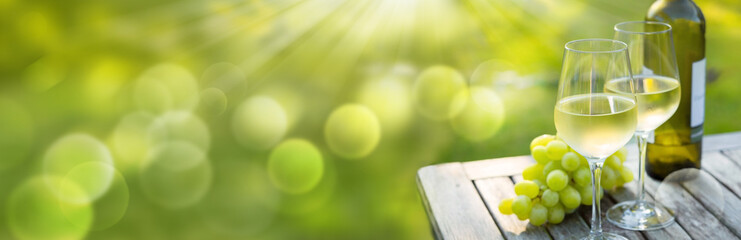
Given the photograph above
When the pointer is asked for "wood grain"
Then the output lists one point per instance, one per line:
(690, 213)
(453, 204)
(724, 170)
(734, 155)
(726, 206)
(572, 227)
(493, 191)
(499, 167)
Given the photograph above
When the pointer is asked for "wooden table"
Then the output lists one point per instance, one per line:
(461, 199)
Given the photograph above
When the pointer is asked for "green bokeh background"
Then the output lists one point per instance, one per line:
(74, 66)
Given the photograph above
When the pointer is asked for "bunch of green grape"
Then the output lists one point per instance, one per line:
(560, 182)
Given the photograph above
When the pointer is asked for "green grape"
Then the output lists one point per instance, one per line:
(540, 155)
(582, 177)
(621, 154)
(541, 184)
(556, 149)
(569, 197)
(557, 180)
(626, 174)
(609, 178)
(521, 206)
(549, 198)
(538, 215)
(523, 216)
(552, 165)
(505, 206)
(541, 140)
(613, 162)
(527, 188)
(570, 161)
(556, 214)
(618, 179)
(533, 172)
(586, 195)
(583, 161)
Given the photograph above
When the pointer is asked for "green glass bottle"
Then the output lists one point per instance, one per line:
(677, 143)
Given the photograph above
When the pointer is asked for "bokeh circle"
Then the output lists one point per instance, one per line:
(180, 126)
(129, 140)
(390, 98)
(295, 166)
(435, 89)
(110, 208)
(259, 122)
(166, 86)
(478, 114)
(35, 212)
(77, 159)
(213, 101)
(174, 182)
(352, 131)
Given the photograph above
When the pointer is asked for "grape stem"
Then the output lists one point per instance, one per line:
(596, 167)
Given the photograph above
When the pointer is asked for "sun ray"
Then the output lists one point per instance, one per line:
(326, 34)
(315, 14)
(227, 33)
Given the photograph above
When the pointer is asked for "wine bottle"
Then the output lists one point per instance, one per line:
(677, 143)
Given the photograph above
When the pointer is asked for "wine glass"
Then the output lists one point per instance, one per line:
(594, 122)
(654, 67)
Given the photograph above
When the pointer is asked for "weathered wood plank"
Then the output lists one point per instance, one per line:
(494, 190)
(691, 214)
(721, 141)
(586, 213)
(734, 154)
(497, 167)
(453, 205)
(572, 226)
(724, 170)
(727, 208)
(627, 193)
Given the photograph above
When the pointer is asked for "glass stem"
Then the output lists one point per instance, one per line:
(641, 137)
(596, 167)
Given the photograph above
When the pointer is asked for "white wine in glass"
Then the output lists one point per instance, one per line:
(657, 96)
(593, 121)
(658, 93)
(596, 124)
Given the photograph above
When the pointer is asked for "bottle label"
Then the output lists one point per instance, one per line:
(698, 93)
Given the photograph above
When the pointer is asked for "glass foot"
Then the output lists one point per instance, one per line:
(605, 236)
(639, 215)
